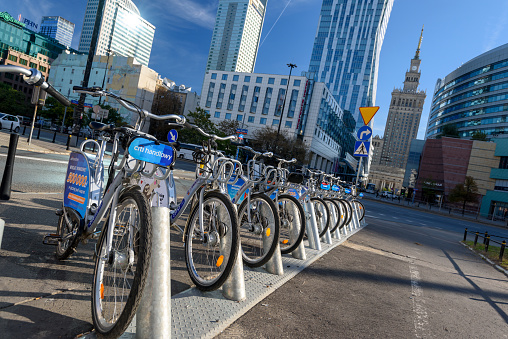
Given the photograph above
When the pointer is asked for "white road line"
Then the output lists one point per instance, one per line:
(38, 159)
(381, 214)
(395, 218)
(421, 321)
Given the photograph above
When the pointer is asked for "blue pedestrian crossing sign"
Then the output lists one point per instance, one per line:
(172, 135)
(362, 148)
(364, 133)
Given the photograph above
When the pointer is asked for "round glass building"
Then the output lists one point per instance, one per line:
(473, 98)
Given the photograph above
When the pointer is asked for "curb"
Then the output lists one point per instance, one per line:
(496, 266)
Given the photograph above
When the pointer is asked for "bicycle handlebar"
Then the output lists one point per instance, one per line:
(213, 136)
(36, 78)
(256, 153)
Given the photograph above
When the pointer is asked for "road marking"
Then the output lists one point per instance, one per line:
(421, 321)
(381, 214)
(39, 159)
(395, 218)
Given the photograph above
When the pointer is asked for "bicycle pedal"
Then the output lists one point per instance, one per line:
(59, 212)
(52, 239)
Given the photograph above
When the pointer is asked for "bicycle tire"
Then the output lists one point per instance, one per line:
(65, 249)
(208, 273)
(349, 209)
(343, 213)
(321, 211)
(129, 260)
(260, 235)
(332, 203)
(287, 219)
(361, 209)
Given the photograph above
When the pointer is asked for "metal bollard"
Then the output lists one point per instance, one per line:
(39, 132)
(487, 242)
(312, 230)
(465, 235)
(153, 318)
(234, 286)
(327, 236)
(5, 186)
(476, 238)
(11, 127)
(334, 219)
(69, 142)
(77, 140)
(2, 224)
(24, 129)
(54, 137)
(485, 237)
(501, 252)
(294, 231)
(274, 265)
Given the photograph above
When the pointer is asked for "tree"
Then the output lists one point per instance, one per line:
(201, 119)
(284, 145)
(53, 110)
(228, 127)
(13, 102)
(479, 135)
(164, 102)
(466, 192)
(450, 131)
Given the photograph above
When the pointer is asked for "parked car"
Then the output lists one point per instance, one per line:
(7, 120)
(387, 194)
(186, 150)
(25, 121)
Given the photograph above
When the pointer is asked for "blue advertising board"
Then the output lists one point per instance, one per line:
(77, 184)
(234, 188)
(325, 186)
(335, 188)
(146, 150)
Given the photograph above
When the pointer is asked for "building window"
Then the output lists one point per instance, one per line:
(284, 82)
(251, 119)
(259, 80)
(216, 115)
(247, 78)
(235, 77)
(289, 124)
(224, 77)
(296, 83)
(280, 102)
(209, 97)
(13, 58)
(271, 81)
(243, 98)
(33, 65)
(232, 94)
(503, 163)
(292, 103)
(239, 117)
(275, 122)
(262, 121)
(268, 99)
(214, 75)
(228, 116)
(255, 98)
(23, 61)
(220, 98)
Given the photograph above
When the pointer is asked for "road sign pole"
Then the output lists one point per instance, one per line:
(358, 172)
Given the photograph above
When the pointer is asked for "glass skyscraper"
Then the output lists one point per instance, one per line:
(123, 30)
(236, 35)
(57, 28)
(346, 50)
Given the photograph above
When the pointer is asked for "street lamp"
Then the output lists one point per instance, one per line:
(291, 66)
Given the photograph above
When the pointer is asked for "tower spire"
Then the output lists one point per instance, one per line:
(417, 55)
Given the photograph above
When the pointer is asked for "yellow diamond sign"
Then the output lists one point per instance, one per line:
(368, 113)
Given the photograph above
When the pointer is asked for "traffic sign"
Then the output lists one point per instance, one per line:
(368, 113)
(241, 131)
(240, 136)
(364, 133)
(172, 135)
(362, 148)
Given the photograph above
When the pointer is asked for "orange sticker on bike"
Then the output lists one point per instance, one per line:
(219, 261)
(268, 232)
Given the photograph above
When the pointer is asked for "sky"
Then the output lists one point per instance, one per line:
(455, 32)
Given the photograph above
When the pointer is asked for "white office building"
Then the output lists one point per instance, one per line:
(257, 100)
(57, 28)
(123, 31)
(236, 35)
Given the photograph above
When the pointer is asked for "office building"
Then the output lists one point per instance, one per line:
(346, 50)
(123, 31)
(124, 76)
(311, 112)
(413, 163)
(236, 35)
(473, 98)
(57, 28)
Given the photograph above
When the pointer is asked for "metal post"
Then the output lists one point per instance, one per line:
(69, 141)
(234, 286)
(274, 265)
(465, 235)
(485, 237)
(476, 238)
(487, 242)
(5, 186)
(39, 132)
(54, 137)
(11, 127)
(501, 252)
(2, 224)
(327, 236)
(334, 219)
(312, 230)
(294, 231)
(153, 318)
(24, 129)
(33, 124)
(358, 173)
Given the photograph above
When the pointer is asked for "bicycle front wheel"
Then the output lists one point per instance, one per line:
(292, 223)
(333, 208)
(361, 209)
(322, 215)
(120, 274)
(259, 229)
(67, 247)
(211, 250)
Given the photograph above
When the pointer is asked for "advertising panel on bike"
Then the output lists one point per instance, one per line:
(293, 192)
(154, 189)
(335, 188)
(77, 184)
(146, 150)
(233, 189)
(325, 186)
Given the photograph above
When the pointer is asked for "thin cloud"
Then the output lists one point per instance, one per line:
(495, 29)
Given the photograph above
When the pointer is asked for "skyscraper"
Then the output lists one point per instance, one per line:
(122, 31)
(346, 50)
(57, 28)
(236, 35)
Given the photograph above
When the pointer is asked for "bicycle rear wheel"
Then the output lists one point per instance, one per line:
(120, 274)
(259, 234)
(343, 213)
(349, 210)
(361, 209)
(334, 209)
(211, 252)
(322, 215)
(292, 223)
(66, 248)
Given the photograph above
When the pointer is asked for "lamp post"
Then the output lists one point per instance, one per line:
(291, 66)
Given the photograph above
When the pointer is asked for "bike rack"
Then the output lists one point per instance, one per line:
(334, 218)
(234, 286)
(327, 237)
(153, 318)
(312, 229)
(294, 232)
